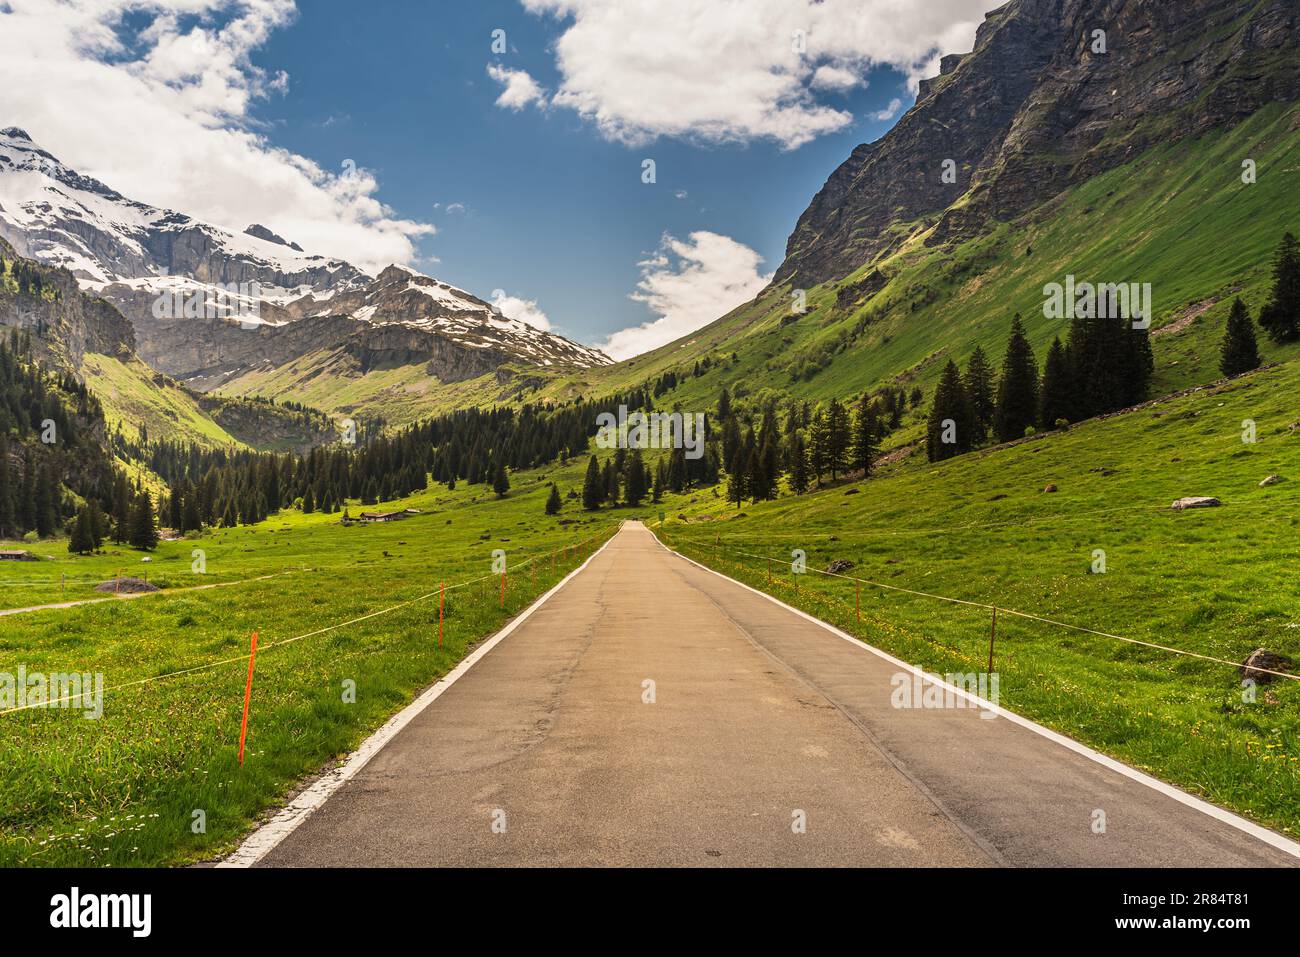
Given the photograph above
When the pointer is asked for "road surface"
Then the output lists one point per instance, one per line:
(764, 739)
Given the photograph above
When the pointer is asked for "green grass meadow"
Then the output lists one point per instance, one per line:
(123, 789)
(1216, 582)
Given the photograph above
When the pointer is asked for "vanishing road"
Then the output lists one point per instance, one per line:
(769, 740)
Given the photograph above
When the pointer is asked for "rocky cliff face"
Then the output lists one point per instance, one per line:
(64, 321)
(1038, 106)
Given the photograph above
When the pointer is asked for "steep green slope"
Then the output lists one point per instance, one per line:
(1178, 217)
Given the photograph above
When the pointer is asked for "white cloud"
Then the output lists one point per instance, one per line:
(731, 72)
(523, 310)
(520, 88)
(162, 111)
(827, 77)
(688, 284)
(889, 112)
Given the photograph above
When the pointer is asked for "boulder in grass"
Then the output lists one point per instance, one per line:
(1050, 488)
(1268, 660)
(839, 566)
(1195, 501)
(126, 586)
(1271, 480)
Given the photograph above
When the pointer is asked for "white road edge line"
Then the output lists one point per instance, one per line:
(267, 837)
(1270, 837)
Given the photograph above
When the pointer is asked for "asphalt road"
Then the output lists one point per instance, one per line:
(769, 741)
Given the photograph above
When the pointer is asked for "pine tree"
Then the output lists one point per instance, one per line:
(1055, 400)
(1280, 317)
(736, 479)
(818, 447)
(839, 438)
(81, 541)
(501, 481)
(864, 438)
(951, 424)
(553, 503)
(661, 482)
(798, 465)
(979, 390)
(637, 486)
(144, 530)
(611, 483)
(1017, 402)
(1240, 352)
(593, 488)
(308, 501)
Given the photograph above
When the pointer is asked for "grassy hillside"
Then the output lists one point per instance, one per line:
(134, 395)
(980, 528)
(1164, 218)
(399, 394)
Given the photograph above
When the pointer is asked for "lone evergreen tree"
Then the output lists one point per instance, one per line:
(1280, 317)
(81, 541)
(1017, 402)
(950, 428)
(553, 503)
(1240, 351)
(501, 481)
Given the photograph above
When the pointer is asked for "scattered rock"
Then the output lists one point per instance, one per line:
(1196, 501)
(1271, 480)
(1050, 488)
(126, 586)
(839, 566)
(833, 538)
(852, 491)
(1263, 658)
(999, 497)
(891, 561)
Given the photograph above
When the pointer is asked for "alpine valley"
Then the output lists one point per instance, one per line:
(932, 393)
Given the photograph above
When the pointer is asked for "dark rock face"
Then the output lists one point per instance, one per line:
(65, 322)
(1033, 109)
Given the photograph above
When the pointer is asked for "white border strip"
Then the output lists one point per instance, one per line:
(1270, 837)
(267, 837)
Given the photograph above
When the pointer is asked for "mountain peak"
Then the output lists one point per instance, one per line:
(258, 231)
(14, 133)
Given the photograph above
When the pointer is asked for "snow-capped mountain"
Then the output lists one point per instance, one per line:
(54, 214)
(206, 303)
(401, 296)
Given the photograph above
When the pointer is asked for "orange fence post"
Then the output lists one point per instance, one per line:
(857, 600)
(503, 589)
(442, 593)
(248, 693)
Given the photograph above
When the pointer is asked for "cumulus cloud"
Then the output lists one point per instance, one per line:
(155, 98)
(687, 284)
(745, 70)
(520, 88)
(889, 112)
(523, 310)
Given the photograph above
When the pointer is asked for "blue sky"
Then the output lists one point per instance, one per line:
(553, 211)
(517, 169)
